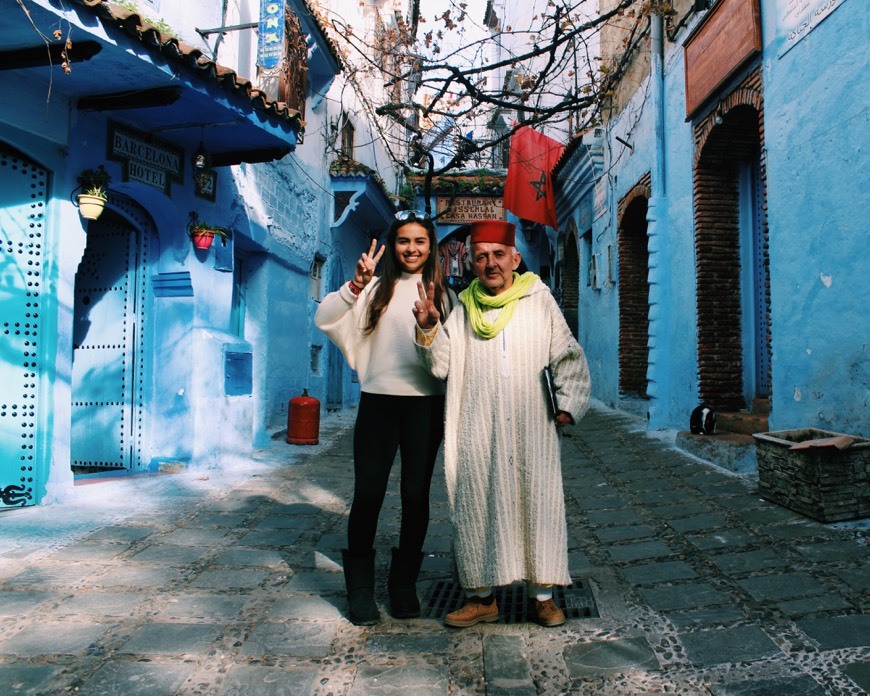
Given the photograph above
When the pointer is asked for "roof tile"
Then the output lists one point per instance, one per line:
(133, 24)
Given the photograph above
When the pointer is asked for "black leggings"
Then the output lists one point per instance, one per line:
(414, 425)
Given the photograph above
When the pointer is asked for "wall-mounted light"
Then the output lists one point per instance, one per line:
(201, 159)
(717, 117)
(204, 177)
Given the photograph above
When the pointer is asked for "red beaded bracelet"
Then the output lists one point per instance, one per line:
(354, 288)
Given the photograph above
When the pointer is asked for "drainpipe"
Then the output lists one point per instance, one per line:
(658, 370)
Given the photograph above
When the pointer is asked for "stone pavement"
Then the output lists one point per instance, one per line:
(229, 582)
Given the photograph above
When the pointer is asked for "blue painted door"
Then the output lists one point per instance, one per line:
(761, 285)
(108, 349)
(23, 189)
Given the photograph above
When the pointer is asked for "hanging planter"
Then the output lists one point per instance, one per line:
(92, 200)
(203, 235)
(90, 206)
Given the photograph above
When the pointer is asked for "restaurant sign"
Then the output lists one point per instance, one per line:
(270, 46)
(145, 159)
(462, 210)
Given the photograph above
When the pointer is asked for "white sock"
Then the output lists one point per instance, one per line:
(541, 592)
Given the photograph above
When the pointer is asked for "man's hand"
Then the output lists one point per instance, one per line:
(425, 311)
(563, 418)
(365, 267)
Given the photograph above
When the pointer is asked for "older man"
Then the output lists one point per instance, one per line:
(501, 445)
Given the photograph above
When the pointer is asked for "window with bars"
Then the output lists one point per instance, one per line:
(347, 136)
(315, 278)
(315, 359)
(293, 85)
(591, 264)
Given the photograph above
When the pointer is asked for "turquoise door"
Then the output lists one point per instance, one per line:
(23, 189)
(109, 349)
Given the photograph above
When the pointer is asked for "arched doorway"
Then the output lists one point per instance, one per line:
(733, 289)
(23, 189)
(633, 292)
(111, 341)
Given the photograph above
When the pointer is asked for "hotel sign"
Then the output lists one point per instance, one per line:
(465, 209)
(145, 159)
(270, 46)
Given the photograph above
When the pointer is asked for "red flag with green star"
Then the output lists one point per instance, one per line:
(528, 190)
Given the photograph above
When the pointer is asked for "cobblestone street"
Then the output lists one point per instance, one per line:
(229, 582)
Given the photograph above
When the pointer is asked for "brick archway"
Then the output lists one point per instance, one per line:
(633, 290)
(728, 142)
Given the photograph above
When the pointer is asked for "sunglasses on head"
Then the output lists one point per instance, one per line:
(405, 215)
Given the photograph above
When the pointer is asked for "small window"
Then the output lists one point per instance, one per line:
(611, 265)
(586, 245)
(315, 359)
(315, 286)
(294, 69)
(593, 272)
(347, 136)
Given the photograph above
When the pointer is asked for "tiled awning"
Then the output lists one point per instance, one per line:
(143, 78)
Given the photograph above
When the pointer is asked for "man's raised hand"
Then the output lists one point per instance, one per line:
(425, 311)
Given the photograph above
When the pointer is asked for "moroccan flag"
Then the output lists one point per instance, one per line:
(528, 189)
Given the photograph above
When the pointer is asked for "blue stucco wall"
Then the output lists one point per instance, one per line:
(680, 332)
(673, 373)
(817, 132)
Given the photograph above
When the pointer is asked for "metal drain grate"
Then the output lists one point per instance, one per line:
(575, 600)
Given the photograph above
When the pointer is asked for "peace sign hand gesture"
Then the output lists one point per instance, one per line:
(425, 311)
(365, 267)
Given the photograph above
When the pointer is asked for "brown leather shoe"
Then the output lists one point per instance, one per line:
(472, 613)
(546, 613)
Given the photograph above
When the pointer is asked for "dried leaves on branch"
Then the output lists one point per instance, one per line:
(485, 76)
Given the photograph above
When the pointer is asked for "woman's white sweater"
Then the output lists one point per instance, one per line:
(386, 360)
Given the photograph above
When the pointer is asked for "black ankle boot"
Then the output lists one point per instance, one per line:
(403, 584)
(359, 579)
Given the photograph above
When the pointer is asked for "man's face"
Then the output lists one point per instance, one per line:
(494, 265)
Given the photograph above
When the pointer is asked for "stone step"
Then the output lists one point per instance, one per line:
(742, 422)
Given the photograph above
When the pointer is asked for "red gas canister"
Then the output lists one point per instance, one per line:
(303, 420)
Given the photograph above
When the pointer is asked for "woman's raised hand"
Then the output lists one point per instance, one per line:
(365, 267)
(425, 311)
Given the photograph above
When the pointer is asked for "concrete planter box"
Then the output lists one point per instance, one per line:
(825, 483)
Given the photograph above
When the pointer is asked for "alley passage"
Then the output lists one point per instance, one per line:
(229, 582)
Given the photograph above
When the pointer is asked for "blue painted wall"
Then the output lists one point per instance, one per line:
(816, 130)
(818, 135)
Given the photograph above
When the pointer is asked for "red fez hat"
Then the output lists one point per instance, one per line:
(493, 231)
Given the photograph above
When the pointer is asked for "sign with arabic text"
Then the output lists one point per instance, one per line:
(797, 18)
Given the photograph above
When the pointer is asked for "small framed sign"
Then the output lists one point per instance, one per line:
(205, 184)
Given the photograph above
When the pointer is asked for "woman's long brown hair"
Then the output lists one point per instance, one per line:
(392, 271)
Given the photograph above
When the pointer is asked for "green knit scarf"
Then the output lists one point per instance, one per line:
(477, 300)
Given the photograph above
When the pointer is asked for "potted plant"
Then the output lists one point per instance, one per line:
(92, 199)
(203, 234)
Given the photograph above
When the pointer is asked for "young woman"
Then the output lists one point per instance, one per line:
(401, 407)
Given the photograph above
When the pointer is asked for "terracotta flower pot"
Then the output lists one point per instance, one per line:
(202, 239)
(91, 207)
